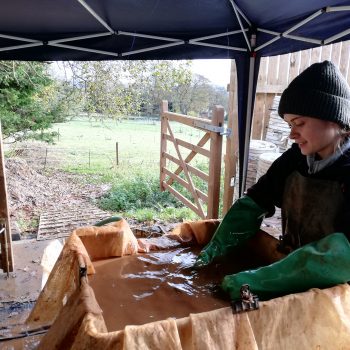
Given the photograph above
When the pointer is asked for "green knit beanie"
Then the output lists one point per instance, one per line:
(320, 92)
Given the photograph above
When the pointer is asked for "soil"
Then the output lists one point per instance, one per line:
(32, 191)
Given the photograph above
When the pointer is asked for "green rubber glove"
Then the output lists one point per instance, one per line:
(108, 221)
(319, 264)
(241, 222)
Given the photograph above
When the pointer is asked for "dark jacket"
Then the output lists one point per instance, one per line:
(268, 191)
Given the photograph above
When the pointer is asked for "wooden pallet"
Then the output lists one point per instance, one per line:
(58, 224)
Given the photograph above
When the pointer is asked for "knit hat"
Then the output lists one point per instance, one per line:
(320, 91)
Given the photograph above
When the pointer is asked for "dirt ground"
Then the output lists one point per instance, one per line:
(31, 191)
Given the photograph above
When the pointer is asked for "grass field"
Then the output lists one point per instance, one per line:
(138, 142)
(89, 147)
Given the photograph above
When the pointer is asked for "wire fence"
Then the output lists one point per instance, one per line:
(53, 157)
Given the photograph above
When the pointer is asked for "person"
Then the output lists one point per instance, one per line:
(310, 182)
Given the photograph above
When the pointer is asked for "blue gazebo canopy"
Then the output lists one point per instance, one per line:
(244, 30)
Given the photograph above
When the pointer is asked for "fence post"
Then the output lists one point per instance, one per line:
(231, 154)
(215, 164)
(117, 153)
(6, 257)
(45, 161)
(163, 143)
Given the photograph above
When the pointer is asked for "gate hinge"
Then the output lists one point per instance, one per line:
(219, 129)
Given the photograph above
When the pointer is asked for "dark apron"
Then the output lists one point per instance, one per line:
(310, 209)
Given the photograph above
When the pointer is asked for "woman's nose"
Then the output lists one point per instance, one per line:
(293, 135)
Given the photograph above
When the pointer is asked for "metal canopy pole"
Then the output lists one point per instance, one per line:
(249, 114)
(194, 41)
(96, 16)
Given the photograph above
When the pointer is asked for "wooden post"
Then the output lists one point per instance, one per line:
(6, 241)
(45, 158)
(259, 105)
(117, 153)
(215, 164)
(231, 153)
(163, 142)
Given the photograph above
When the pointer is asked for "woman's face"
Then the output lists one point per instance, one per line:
(314, 136)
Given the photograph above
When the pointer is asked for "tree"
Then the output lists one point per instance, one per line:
(118, 89)
(23, 86)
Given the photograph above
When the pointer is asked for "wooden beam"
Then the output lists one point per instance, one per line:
(184, 200)
(201, 174)
(192, 154)
(6, 246)
(188, 145)
(215, 165)
(183, 165)
(163, 143)
(185, 184)
(186, 119)
(231, 153)
(270, 88)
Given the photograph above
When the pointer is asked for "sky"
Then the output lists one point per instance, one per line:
(217, 71)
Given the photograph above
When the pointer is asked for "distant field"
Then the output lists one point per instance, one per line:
(82, 142)
(89, 148)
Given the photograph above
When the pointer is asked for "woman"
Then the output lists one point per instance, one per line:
(310, 183)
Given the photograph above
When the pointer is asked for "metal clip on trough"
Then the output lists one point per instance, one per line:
(247, 302)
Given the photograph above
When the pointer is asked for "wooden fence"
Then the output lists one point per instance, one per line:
(275, 74)
(205, 205)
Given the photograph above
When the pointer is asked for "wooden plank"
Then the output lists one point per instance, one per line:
(192, 154)
(259, 104)
(283, 69)
(201, 174)
(272, 72)
(345, 58)
(186, 119)
(262, 77)
(258, 120)
(215, 165)
(336, 53)
(185, 184)
(188, 145)
(270, 88)
(326, 52)
(184, 200)
(293, 65)
(231, 153)
(183, 164)
(268, 105)
(6, 247)
(305, 56)
(163, 143)
(315, 55)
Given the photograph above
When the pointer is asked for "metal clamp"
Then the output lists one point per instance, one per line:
(219, 129)
(247, 302)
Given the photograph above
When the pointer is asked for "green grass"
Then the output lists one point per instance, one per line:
(138, 142)
(89, 148)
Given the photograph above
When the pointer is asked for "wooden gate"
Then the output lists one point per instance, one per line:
(205, 205)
